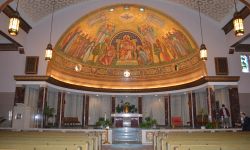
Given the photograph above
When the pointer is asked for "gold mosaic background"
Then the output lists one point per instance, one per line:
(157, 51)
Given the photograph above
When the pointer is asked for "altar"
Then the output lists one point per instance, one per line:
(126, 120)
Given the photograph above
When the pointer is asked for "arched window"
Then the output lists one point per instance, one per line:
(244, 63)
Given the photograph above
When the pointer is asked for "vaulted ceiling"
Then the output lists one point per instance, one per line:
(215, 9)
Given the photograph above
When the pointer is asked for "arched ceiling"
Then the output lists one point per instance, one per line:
(98, 48)
(215, 9)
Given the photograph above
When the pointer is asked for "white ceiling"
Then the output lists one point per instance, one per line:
(215, 9)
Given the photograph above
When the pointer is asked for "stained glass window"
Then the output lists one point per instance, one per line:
(244, 63)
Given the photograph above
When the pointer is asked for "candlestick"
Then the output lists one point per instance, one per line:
(105, 116)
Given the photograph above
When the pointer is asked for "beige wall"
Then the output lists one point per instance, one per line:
(6, 103)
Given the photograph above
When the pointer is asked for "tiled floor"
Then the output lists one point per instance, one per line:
(127, 147)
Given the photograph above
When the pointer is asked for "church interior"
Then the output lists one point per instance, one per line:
(122, 74)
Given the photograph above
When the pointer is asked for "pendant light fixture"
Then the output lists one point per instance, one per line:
(14, 22)
(203, 49)
(238, 22)
(49, 50)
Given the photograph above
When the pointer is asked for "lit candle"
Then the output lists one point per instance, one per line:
(105, 116)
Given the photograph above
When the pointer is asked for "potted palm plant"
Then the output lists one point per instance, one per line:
(48, 114)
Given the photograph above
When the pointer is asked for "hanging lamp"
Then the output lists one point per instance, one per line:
(238, 22)
(14, 22)
(203, 49)
(49, 49)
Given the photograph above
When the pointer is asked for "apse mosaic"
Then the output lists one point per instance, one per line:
(151, 45)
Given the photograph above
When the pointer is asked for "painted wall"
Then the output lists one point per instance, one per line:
(6, 103)
(38, 38)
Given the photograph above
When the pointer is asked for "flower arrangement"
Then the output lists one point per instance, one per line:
(126, 107)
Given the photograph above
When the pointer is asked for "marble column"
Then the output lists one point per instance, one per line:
(42, 102)
(211, 104)
(234, 105)
(60, 109)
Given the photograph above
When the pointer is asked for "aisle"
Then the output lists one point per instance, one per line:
(127, 147)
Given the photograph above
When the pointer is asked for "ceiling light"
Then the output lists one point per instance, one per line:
(14, 22)
(238, 23)
(111, 9)
(78, 67)
(49, 49)
(142, 9)
(203, 49)
(126, 7)
(126, 74)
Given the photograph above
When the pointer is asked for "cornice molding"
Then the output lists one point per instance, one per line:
(198, 82)
(13, 46)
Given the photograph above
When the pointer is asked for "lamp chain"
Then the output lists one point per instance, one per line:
(51, 24)
(17, 5)
(200, 22)
(235, 6)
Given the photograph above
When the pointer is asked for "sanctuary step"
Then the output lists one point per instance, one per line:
(126, 135)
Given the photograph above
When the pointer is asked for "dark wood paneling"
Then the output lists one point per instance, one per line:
(234, 105)
(221, 65)
(113, 107)
(170, 115)
(229, 26)
(140, 108)
(83, 110)
(190, 108)
(31, 65)
(87, 110)
(202, 80)
(8, 11)
(58, 111)
(242, 48)
(12, 46)
(194, 109)
(19, 95)
(62, 108)
(8, 47)
(167, 117)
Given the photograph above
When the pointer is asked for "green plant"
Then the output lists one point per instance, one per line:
(103, 123)
(48, 112)
(148, 123)
(118, 109)
(209, 125)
